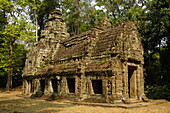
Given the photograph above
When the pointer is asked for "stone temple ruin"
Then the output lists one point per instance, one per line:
(104, 63)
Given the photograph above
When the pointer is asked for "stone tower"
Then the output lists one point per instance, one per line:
(54, 32)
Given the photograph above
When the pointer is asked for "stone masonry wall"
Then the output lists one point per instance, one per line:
(103, 55)
(54, 32)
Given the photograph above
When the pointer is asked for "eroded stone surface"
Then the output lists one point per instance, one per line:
(104, 63)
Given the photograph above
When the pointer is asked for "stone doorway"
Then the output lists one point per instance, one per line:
(132, 81)
(97, 86)
(55, 83)
(71, 85)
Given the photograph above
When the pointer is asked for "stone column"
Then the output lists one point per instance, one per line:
(90, 87)
(48, 87)
(105, 88)
(77, 85)
(125, 80)
(81, 86)
(138, 80)
(29, 86)
(63, 87)
(36, 85)
(82, 82)
(25, 87)
(113, 87)
(141, 82)
(119, 87)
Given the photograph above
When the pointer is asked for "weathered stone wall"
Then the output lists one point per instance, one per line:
(54, 32)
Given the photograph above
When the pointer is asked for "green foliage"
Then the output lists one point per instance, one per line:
(15, 28)
(77, 15)
(42, 64)
(39, 10)
(17, 61)
(157, 53)
(103, 61)
(3, 78)
(4, 56)
(158, 91)
(158, 16)
(19, 58)
(5, 6)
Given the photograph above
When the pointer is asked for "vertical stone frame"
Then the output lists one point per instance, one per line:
(29, 86)
(141, 83)
(125, 80)
(113, 87)
(25, 87)
(138, 81)
(48, 87)
(64, 86)
(36, 86)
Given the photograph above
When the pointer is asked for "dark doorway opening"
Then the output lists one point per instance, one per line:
(132, 81)
(42, 84)
(71, 84)
(97, 86)
(55, 85)
(31, 86)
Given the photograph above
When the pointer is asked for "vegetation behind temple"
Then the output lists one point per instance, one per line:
(152, 18)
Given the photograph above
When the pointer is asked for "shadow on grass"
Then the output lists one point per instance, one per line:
(29, 106)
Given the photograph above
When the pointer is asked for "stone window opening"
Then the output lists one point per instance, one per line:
(71, 85)
(75, 59)
(62, 61)
(55, 85)
(97, 86)
(42, 85)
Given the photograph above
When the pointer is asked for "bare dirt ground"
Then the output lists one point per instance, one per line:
(12, 102)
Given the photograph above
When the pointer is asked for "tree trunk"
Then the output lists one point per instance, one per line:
(36, 22)
(76, 24)
(9, 78)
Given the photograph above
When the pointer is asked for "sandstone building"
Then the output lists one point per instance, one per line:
(104, 63)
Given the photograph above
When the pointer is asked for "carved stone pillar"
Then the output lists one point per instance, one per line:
(48, 87)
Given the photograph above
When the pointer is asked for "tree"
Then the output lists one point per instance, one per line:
(158, 38)
(14, 29)
(39, 11)
(80, 15)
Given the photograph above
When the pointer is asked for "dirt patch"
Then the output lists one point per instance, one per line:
(12, 102)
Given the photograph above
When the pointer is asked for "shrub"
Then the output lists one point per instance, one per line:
(158, 91)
